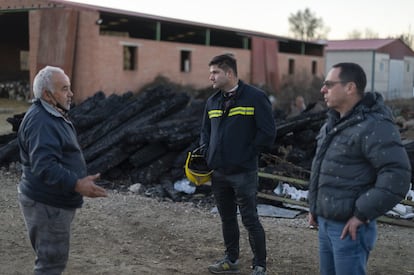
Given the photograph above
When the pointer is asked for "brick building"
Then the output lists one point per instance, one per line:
(117, 51)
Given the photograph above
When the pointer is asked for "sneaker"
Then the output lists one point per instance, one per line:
(258, 270)
(224, 266)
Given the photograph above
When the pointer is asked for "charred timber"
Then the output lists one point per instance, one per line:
(148, 116)
(152, 173)
(102, 111)
(122, 114)
(86, 106)
(304, 121)
(9, 152)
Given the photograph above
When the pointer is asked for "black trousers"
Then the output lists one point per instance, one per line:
(239, 191)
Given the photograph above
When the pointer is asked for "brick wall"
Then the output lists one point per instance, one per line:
(99, 61)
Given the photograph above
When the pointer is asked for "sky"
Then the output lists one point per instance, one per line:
(385, 18)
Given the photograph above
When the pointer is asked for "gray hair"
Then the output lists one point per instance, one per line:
(43, 80)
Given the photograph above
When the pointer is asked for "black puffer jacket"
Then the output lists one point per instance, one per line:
(360, 167)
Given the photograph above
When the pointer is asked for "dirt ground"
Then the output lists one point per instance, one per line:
(128, 233)
(131, 234)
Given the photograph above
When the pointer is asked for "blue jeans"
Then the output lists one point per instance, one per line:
(49, 233)
(230, 192)
(344, 257)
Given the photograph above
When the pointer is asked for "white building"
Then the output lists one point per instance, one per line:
(388, 63)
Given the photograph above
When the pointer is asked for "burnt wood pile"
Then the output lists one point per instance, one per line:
(144, 138)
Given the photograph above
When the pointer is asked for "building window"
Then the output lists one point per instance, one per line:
(314, 67)
(130, 58)
(185, 61)
(291, 66)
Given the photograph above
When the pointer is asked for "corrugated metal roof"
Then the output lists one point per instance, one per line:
(13, 5)
(358, 44)
(181, 21)
(152, 16)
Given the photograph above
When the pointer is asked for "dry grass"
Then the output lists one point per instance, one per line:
(8, 108)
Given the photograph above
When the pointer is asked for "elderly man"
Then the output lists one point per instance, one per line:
(54, 177)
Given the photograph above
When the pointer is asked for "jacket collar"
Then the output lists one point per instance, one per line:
(52, 110)
(371, 102)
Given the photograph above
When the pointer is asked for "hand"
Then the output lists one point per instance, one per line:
(87, 187)
(351, 227)
(201, 150)
(313, 224)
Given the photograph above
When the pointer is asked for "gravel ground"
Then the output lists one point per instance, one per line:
(128, 233)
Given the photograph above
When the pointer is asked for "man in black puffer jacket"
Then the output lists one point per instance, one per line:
(360, 171)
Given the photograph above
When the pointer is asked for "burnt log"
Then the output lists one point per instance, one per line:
(178, 141)
(163, 131)
(4, 139)
(300, 123)
(123, 114)
(108, 160)
(152, 173)
(104, 109)
(15, 121)
(177, 166)
(9, 152)
(147, 154)
(182, 156)
(150, 115)
(177, 131)
(296, 138)
(86, 106)
(194, 109)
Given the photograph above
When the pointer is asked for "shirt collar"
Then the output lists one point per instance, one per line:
(53, 111)
(231, 92)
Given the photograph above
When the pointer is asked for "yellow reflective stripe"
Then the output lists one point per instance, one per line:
(246, 111)
(215, 113)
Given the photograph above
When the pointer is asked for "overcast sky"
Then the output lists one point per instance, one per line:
(385, 18)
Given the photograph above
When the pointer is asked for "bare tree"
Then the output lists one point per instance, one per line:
(370, 34)
(366, 34)
(305, 25)
(355, 34)
(408, 38)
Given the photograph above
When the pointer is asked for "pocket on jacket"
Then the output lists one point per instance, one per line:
(338, 207)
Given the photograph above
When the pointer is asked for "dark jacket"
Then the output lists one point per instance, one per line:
(51, 157)
(235, 137)
(360, 167)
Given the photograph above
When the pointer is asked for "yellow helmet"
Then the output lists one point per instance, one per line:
(196, 168)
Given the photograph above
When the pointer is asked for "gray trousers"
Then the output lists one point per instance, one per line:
(49, 233)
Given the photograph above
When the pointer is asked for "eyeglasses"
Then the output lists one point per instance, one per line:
(329, 84)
